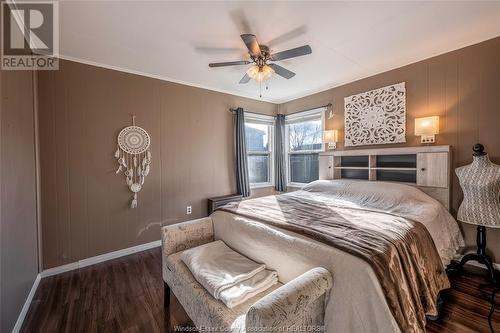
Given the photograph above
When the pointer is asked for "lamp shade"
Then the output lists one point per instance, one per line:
(330, 136)
(261, 73)
(427, 125)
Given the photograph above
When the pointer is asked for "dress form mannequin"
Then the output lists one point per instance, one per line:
(480, 182)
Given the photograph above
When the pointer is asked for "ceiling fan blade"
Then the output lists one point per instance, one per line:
(281, 71)
(288, 35)
(292, 53)
(245, 79)
(240, 20)
(252, 44)
(229, 63)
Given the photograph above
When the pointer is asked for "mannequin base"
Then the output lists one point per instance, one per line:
(480, 256)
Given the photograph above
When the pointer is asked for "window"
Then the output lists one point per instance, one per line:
(259, 133)
(304, 133)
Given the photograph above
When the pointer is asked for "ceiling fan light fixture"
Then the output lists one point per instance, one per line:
(260, 73)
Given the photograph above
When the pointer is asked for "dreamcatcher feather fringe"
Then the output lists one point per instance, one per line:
(134, 164)
(135, 172)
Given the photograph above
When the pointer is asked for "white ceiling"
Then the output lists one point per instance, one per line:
(175, 41)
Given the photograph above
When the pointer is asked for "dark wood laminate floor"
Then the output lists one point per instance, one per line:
(126, 295)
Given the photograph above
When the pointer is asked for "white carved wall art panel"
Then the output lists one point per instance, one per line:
(376, 117)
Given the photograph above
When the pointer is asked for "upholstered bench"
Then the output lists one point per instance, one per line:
(299, 303)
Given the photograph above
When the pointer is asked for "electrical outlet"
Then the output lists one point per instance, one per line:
(189, 210)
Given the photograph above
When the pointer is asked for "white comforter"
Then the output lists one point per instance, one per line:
(357, 303)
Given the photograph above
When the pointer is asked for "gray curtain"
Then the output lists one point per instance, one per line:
(279, 157)
(240, 150)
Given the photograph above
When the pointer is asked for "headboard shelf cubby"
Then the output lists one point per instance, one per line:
(355, 161)
(392, 168)
(426, 167)
(396, 161)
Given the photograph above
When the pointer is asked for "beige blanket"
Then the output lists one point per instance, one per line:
(400, 251)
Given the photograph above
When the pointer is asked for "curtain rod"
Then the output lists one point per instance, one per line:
(259, 114)
(318, 107)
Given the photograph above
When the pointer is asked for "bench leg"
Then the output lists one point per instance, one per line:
(166, 295)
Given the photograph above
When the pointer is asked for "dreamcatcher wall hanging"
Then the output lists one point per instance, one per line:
(134, 157)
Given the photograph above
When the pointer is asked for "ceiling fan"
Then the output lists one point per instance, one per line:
(260, 55)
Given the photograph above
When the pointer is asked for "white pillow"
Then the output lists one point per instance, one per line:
(399, 199)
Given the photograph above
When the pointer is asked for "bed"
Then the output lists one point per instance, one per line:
(357, 302)
(272, 230)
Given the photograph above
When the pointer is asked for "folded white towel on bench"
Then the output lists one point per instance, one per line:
(226, 274)
(241, 292)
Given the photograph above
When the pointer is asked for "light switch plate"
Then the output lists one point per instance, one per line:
(428, 139)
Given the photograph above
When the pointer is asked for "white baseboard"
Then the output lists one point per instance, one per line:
(26, 306)
(98, 259)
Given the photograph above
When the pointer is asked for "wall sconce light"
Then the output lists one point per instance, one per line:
(427, 128)
(331, 137)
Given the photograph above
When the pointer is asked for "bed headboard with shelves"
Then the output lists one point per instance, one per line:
(426, 167)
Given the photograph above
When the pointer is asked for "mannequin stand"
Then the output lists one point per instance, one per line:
(480, 256)
(489, 292)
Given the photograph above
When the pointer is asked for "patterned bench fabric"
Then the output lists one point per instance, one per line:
(186, 235)
(202, 308)
(301, 302)
(298, 305)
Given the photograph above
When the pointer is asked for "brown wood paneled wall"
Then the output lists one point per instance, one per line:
(462, 87)
(18, 224)
(84, 203)
(82, 108)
